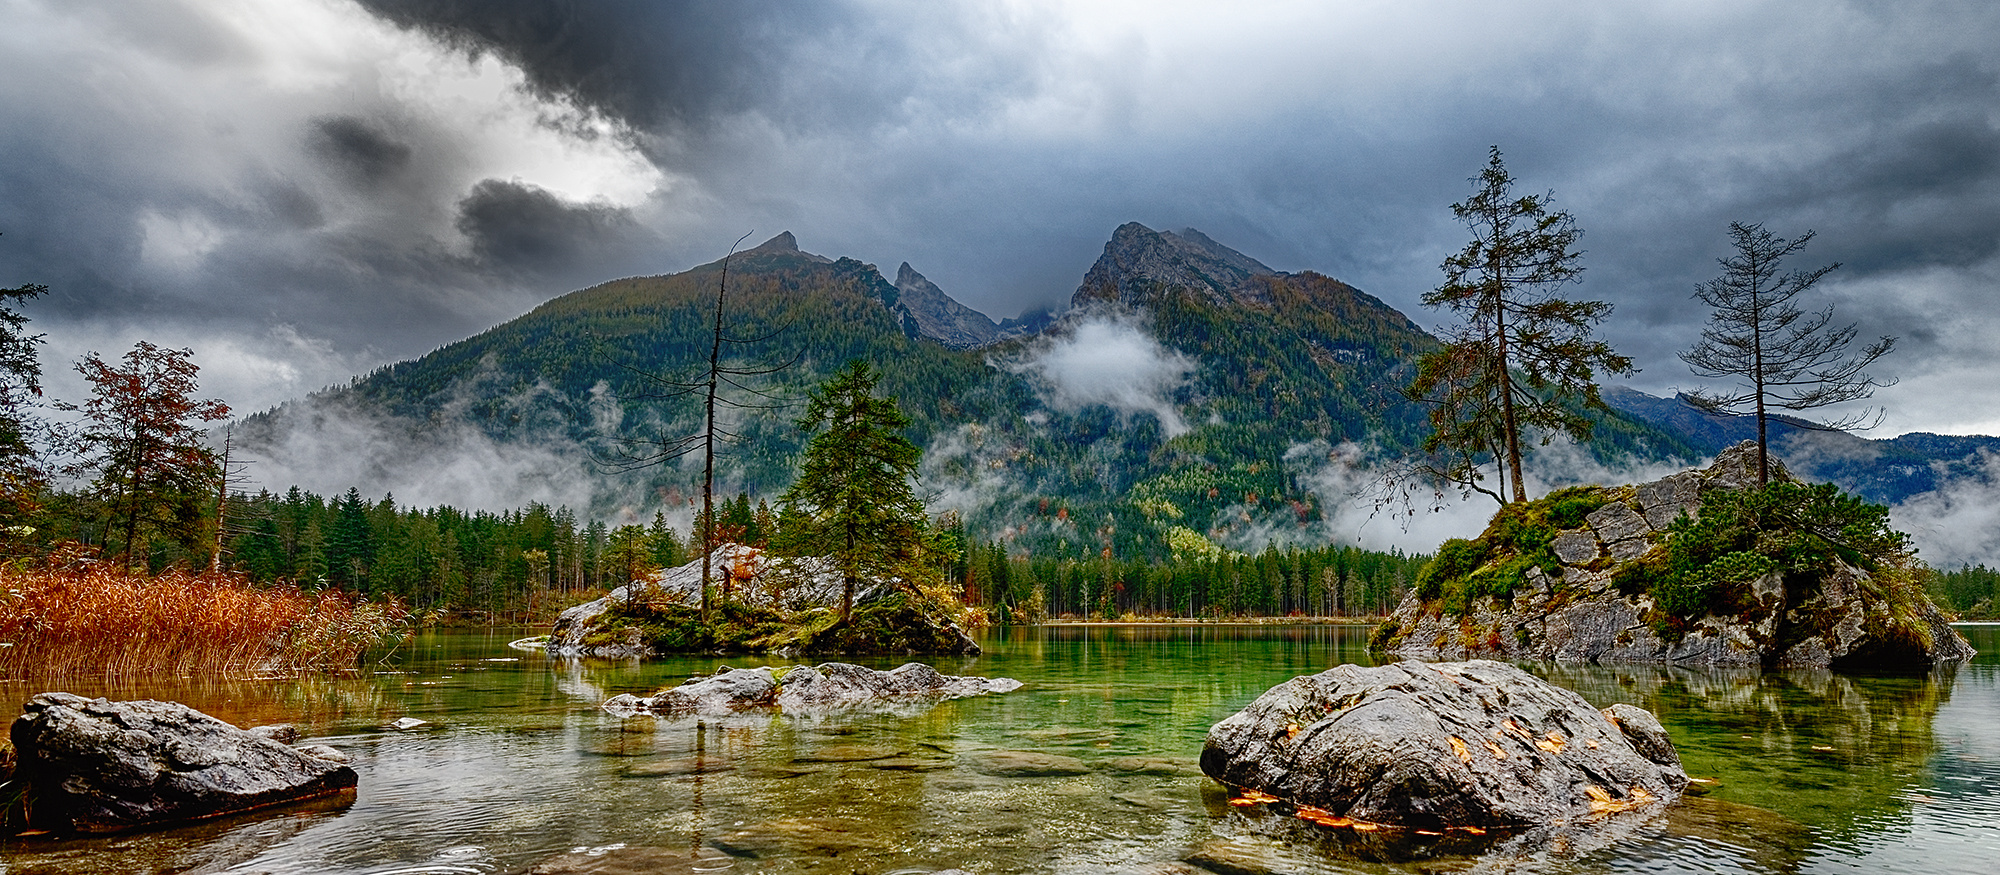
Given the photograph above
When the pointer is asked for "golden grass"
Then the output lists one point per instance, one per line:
(93, 618)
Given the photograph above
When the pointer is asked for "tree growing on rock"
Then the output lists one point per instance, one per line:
(854, 497)
(1785, 357)
(1523, 360)
(141, 440)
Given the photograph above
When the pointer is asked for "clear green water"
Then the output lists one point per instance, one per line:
(520, 770)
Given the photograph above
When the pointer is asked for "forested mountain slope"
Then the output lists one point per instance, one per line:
(1180, 399)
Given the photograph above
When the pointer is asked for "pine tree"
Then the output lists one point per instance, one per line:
(21, 472)
(854, 486)
(1524, 359)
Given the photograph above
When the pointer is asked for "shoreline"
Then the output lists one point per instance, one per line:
(1202, 621)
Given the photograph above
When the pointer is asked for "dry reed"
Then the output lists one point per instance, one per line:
(94, 618)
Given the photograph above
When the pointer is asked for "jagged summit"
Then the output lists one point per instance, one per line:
(784, 241)
(1140, 264)
(775, 251)
(926, 309)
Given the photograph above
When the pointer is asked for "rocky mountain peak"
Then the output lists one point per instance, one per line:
(784, 245)
(783, 242)
(1140, 264)
(936, 315)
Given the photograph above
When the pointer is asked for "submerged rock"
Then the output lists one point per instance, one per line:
(1441, 746)
(832, 686)
(1543, 585)
(101, 766)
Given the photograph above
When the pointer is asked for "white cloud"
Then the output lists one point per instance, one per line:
(1106, 358)
(1959, 523)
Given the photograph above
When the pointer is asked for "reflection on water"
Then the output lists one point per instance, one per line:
(1090, 767)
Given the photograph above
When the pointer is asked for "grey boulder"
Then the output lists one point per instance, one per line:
(102, 766)
(828, 687)
(1444, 745)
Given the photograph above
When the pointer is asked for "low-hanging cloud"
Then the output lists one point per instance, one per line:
(1347, 480)
(1959, 523)
(1106, 358)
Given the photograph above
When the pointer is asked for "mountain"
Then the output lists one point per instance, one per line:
(1887, 471)
(1190, 395)
(927, 311)
(1140, 266)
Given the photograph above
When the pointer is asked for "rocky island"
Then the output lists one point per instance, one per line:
(765, 604)
(1704, 567)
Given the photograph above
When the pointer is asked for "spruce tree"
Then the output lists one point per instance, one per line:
(854, 488)
(1524, 359)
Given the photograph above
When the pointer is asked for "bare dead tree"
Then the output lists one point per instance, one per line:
(1785, 357)
(646, 452)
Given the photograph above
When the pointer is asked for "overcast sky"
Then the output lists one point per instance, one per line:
(303, 190)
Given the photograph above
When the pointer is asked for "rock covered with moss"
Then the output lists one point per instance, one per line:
(760, 604)
(1702, 567)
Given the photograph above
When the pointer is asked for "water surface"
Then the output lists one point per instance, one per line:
(1090, 767)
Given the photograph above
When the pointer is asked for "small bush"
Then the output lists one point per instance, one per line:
(1568, 507)
(1456, 559)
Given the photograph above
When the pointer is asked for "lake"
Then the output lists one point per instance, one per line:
(519, 770)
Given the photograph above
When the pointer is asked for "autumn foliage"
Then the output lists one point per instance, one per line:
(94, 618)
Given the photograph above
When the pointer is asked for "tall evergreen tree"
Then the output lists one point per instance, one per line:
(350, 540)
(1785, 357)
(1524, 359)
(21, 473)
(854, 488)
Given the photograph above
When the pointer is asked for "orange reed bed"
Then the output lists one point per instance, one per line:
(97, 619)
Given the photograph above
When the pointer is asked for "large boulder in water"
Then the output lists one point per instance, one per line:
(93, 765)
(1444, 745)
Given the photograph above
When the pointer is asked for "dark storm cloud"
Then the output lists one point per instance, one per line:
(994, 147)
(647, 61)
(525, 228)
(364, 154)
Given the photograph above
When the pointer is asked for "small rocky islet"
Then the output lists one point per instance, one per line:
(1703, 567)
(762, 604)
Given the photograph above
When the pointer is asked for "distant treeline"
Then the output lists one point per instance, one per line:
(521, 562)
(1972, 592)
(1279, 582)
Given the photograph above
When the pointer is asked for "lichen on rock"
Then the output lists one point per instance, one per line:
(1445, 746)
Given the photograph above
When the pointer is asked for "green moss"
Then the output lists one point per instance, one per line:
(1385, 636)
(1496, 564)
(1568, 507)
(897, 625)
(1457, 558)
(893, 625)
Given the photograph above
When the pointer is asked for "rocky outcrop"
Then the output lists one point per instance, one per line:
(1591, 602)
(92, 765)
(832, 686)
(1442, 746)
(927, 311)
(1140, 264)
